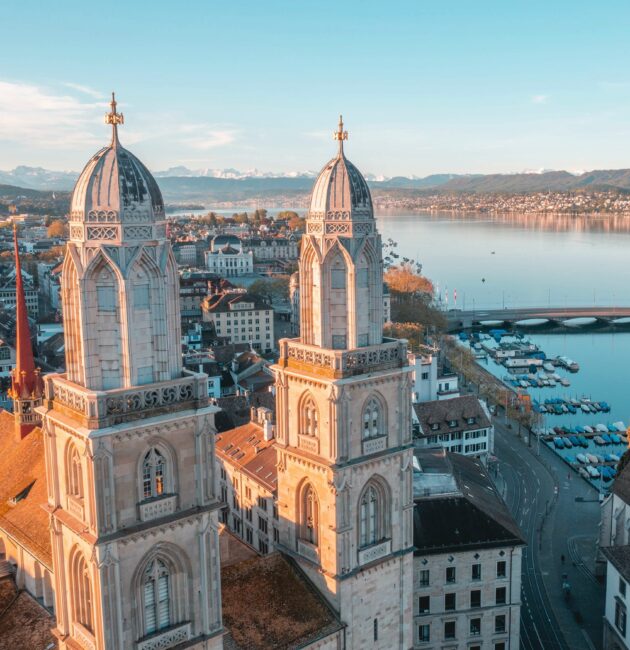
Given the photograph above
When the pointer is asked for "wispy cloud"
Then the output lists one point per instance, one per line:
(32, 115)
(540, 99)
(86, 90)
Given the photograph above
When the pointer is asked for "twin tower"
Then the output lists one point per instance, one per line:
(129, 434)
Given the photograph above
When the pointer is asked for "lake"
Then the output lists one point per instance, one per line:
(518, 261)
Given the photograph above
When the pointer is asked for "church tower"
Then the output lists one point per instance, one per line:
(27, 387)
(343, 421)
(129, 434)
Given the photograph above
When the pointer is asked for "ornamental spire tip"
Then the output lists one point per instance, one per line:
(114, 118)
(340, 134)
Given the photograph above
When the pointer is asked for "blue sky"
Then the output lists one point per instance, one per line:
(425, 87)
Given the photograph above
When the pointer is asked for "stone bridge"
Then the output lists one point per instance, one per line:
(554, 317)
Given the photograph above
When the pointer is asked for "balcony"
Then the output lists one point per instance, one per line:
(99, 409)
(158, 507)
(166, 639)
(374, 445)
(391, 353)
(375, 552)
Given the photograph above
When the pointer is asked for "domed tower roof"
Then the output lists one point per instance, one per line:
(340, 190)
(115, 188)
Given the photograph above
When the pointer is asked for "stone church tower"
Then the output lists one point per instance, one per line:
(129, 439)
(343, 421)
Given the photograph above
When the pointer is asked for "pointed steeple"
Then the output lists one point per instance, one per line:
(26, 382)
(114, 118)
(340, 135)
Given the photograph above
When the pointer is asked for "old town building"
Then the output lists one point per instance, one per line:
(467, 558)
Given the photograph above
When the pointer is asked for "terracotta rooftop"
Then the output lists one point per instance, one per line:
(269, 604)
(221, 302)
(23, 475)
(245, 447)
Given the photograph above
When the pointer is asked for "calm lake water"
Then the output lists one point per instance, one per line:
(518, 261)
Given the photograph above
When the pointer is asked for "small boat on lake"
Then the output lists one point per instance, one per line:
(588, 429)
(592, 458)
(582, 459)
(582, 472)
(598, 440)
(567, 443)
(615, 437)
(601, 428)
(606, 438)
(583, 441)
(586, 408)
(593, 472)
(558, 442)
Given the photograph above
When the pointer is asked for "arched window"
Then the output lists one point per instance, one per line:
(309, 417)
(153, 474)
(372, 419)
(373, 515)
(156, 597)
(310, 515)
(81, 591)
(74, 473)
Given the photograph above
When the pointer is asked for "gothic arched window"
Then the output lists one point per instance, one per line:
(156, 597)
(81, 591)
(373, 515)
(373, 419)
(309, 417)
(310, 515)
(153, 474)
(74, 473)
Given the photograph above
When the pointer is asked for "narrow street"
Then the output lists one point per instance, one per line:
(541, 493)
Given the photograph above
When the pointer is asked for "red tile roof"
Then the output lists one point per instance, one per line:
(22, 470)
(245, 448)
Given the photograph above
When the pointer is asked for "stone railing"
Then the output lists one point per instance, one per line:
(84, 638)
(375, 552)
(166, 639)
(308, 550)
(374, 445)
(391, 353)
(159, 507)
(105, 408)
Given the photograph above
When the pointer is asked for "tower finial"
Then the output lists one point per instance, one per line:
(114, 118)
(340, 134)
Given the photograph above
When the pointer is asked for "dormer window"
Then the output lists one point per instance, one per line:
(471, 420)
(435, 426)
(452, 423)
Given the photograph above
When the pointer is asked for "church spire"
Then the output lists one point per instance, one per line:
(340, 135)
(26, 384)
(114, 118)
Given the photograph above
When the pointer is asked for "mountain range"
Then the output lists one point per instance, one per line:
(181, 184)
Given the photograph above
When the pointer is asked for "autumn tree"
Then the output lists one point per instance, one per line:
(57, 229)
(412, 298)
(413, 332)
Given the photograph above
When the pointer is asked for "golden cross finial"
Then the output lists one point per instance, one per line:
(114, 118)
(340, 134)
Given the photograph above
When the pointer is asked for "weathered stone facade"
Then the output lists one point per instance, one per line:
(343, 422)
(129, 435)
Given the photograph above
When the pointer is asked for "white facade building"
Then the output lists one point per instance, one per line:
(460, 424)
(616, 631)
(229, 260)
(467, 575)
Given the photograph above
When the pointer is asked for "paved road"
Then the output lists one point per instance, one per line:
(540, 493)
